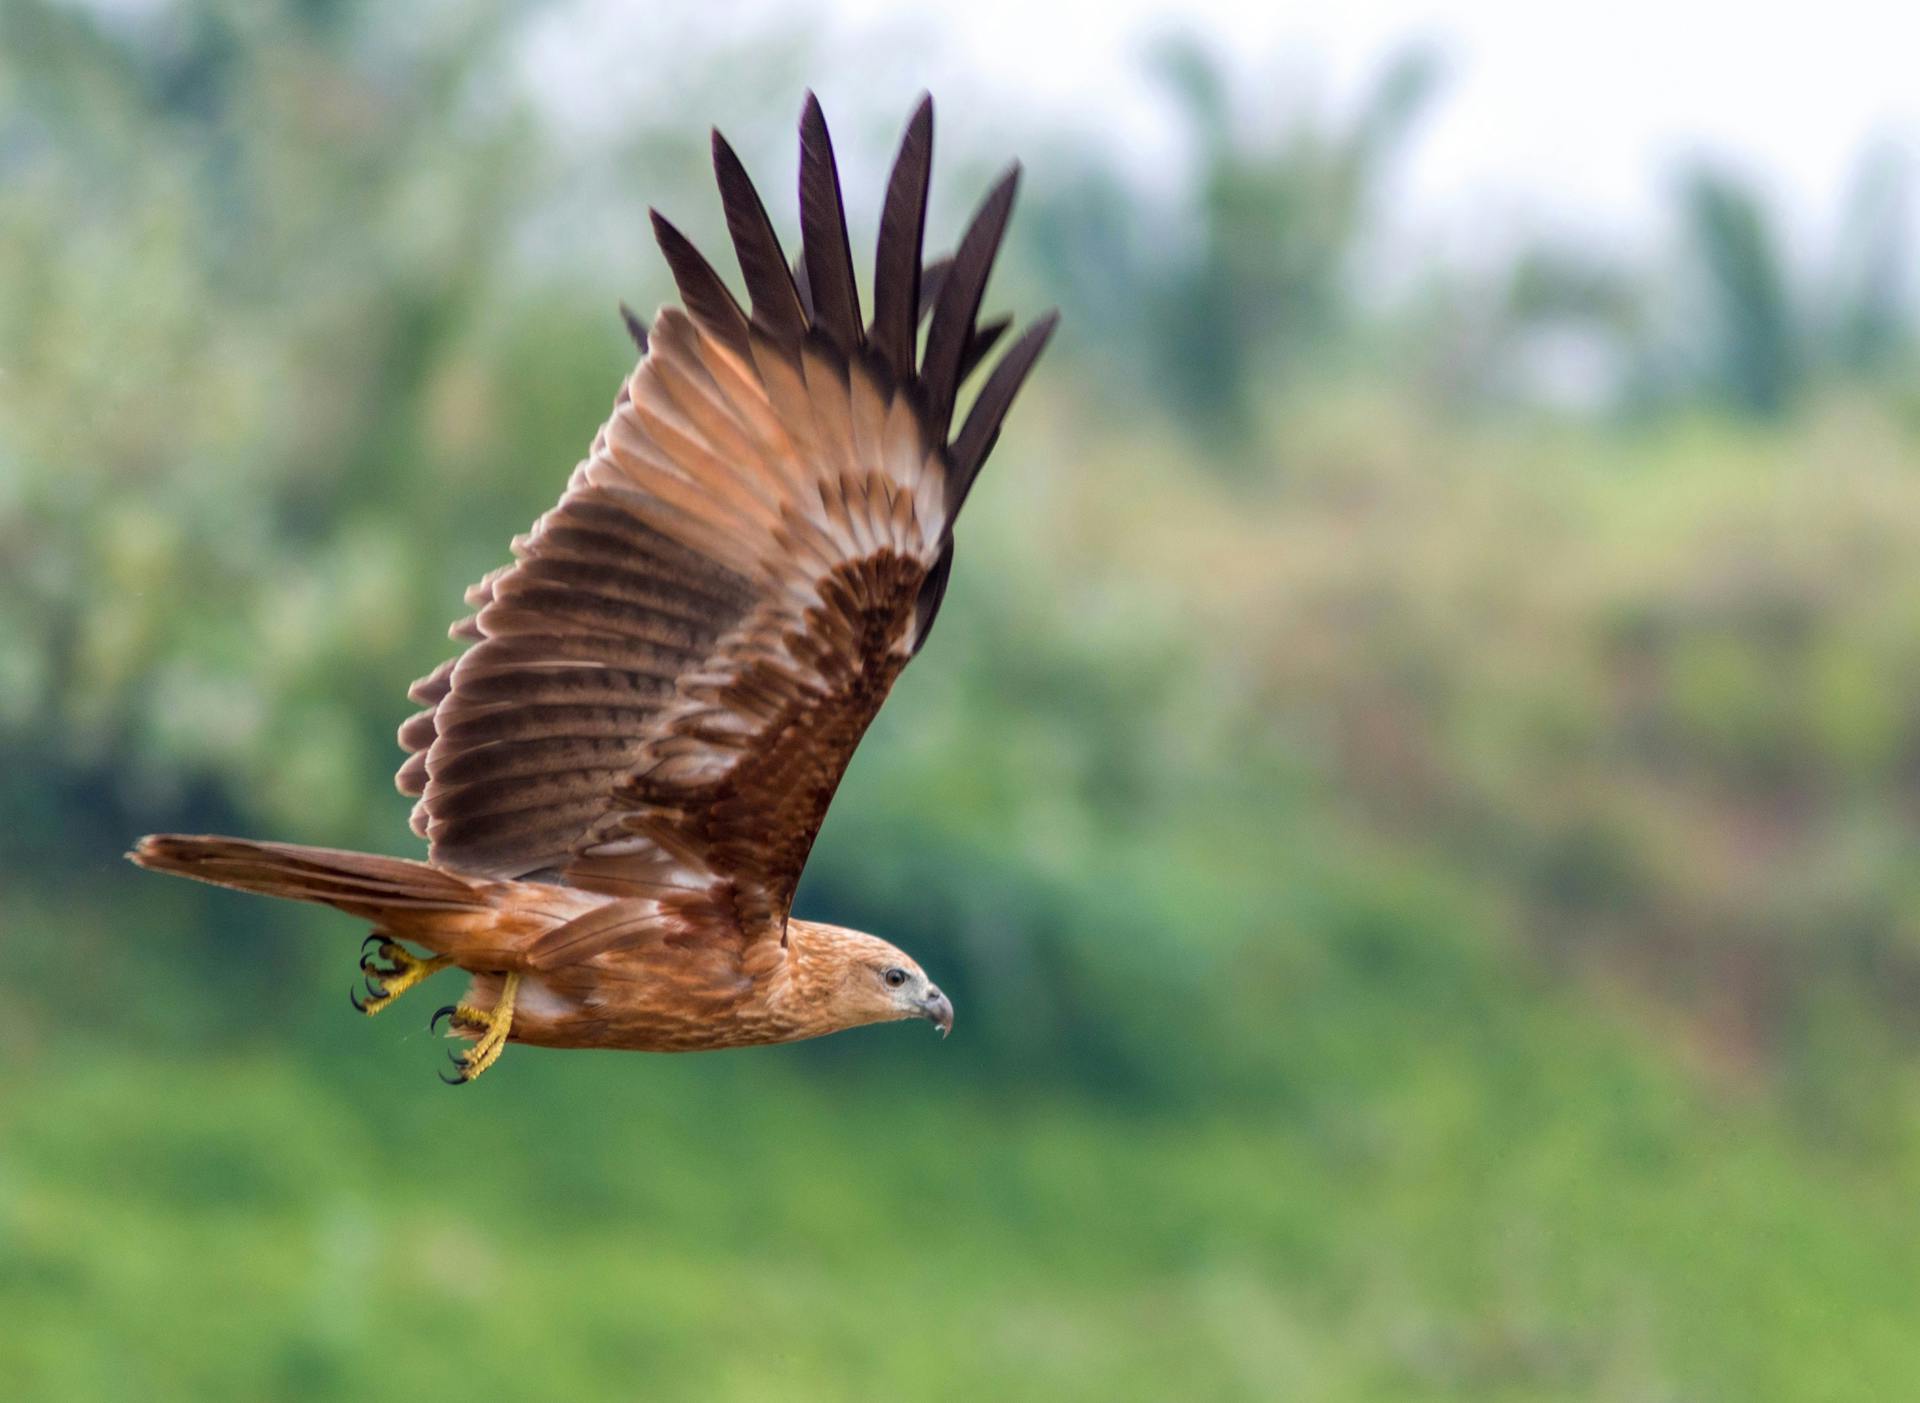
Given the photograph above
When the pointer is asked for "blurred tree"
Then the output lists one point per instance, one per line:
(255, 248)
(1757, 357)
(1771, 327)
(1219, 309)
(1870, 289)
(1726, 316)
(1560, 325)
(1549, 281)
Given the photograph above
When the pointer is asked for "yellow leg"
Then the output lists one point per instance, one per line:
(387, 982)
(493, 1025)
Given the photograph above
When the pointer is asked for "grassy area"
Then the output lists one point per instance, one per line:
(1434, 1174)
(1518, 1210)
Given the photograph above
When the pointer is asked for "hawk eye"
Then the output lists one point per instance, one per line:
(895, 977)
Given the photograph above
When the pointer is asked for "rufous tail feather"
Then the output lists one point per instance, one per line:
(408, 899)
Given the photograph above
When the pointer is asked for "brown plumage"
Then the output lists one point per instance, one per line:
(621, 777)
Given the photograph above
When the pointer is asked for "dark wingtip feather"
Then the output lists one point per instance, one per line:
(636, 328)
(802, 286)
(933, 277)
(823, 234)
(985, 338)
(926, 607)
(706, 297)
(959, 300)
(976, 437)
(776, 303)
(898, 279)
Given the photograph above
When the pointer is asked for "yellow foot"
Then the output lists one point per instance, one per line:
(489, 1028)
(387, 982)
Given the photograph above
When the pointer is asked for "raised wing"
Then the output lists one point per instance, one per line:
(665, 686)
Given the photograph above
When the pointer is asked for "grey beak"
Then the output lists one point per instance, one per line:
(937, 1011)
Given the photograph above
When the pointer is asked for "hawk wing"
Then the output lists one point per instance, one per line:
(665, 686)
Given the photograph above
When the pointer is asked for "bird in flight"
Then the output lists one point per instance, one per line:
(621, 776)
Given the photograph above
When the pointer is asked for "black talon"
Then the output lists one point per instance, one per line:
(375, 991)
(375, 939)
(453, 1081)
(433, 1023)
(354, 999)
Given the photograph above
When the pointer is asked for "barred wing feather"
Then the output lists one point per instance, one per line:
(663, 689)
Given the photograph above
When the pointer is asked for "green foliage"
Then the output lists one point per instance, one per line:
(1871, 285)
(1730, 318)
(1755, 347)
(1221, 306)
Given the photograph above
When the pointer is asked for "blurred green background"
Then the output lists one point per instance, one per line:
(1414, 794)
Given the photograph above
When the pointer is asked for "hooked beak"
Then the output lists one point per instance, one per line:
(937, 1011)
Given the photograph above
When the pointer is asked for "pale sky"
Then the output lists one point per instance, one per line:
(1573, 111)
(1568, 117)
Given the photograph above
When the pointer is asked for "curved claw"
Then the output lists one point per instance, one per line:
(354, 999)
(460, 1080)
(377, 991)
(433, 1023)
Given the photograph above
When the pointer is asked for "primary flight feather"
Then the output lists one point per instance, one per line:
(622, 775)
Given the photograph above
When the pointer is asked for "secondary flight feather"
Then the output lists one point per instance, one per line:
(621, 776)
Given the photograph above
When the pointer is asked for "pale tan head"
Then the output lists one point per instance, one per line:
(845, 979)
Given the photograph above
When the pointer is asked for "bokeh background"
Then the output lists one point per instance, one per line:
(1414, 793)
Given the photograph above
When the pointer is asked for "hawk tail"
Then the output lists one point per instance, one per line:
(405, 898)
